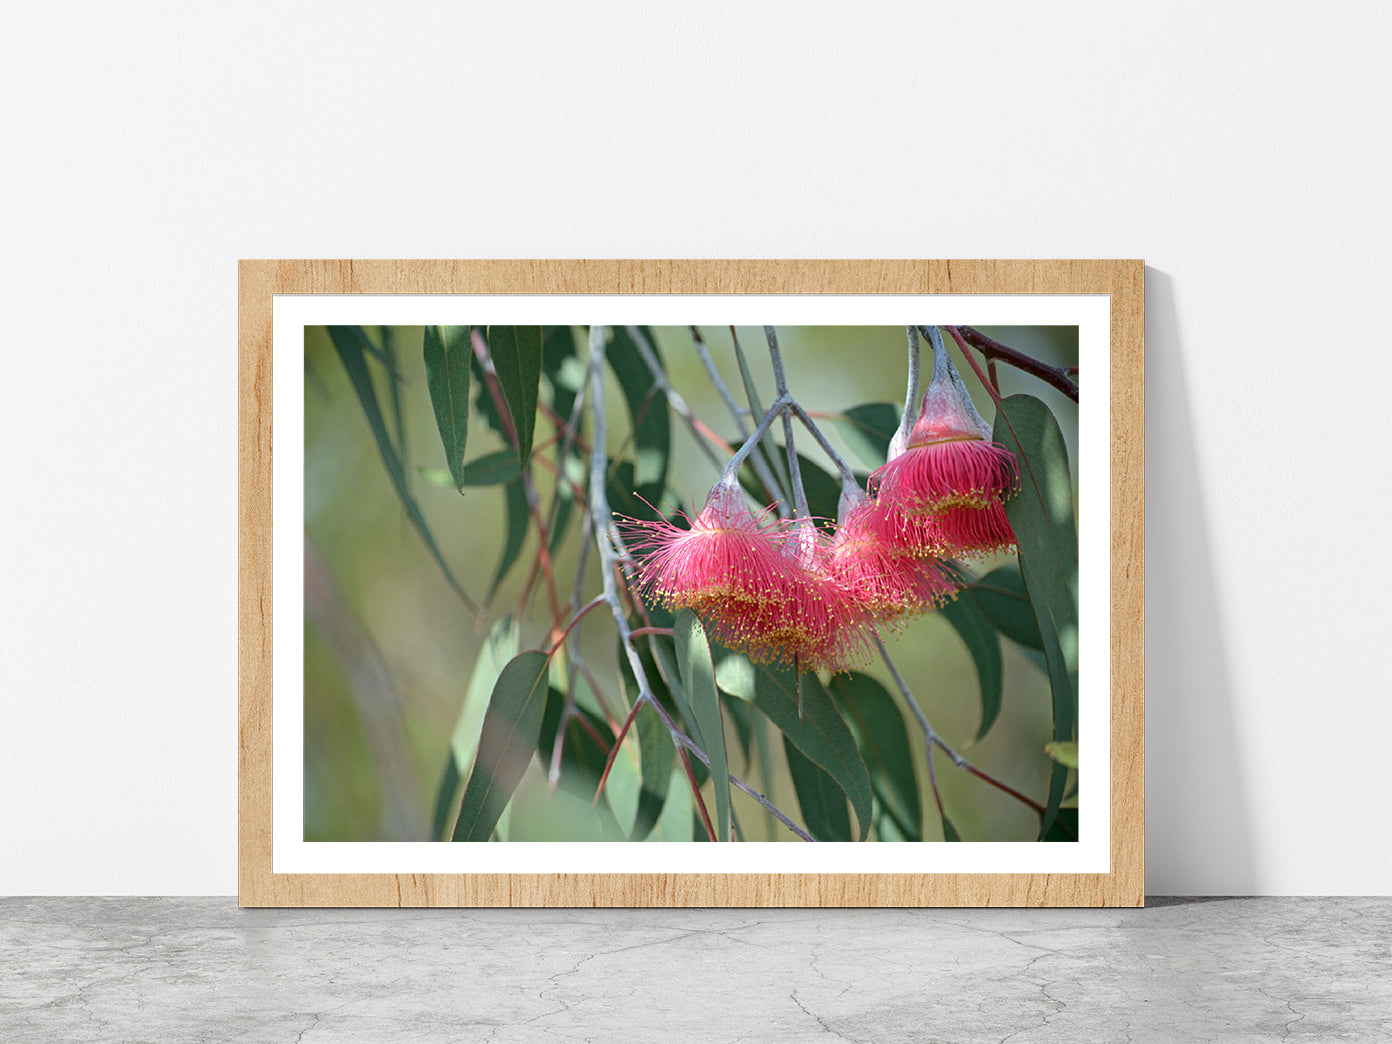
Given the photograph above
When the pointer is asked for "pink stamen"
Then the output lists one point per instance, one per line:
(950, 474)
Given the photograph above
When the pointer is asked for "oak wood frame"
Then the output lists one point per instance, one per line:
(1122, 280)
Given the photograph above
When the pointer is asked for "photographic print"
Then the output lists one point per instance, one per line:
(632, 583)
(656, 599)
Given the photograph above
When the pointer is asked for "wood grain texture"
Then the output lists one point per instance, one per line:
(1123, 280)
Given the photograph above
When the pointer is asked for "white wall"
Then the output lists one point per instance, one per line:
(1243, 152)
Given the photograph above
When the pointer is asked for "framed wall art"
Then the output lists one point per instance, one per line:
(691, 583)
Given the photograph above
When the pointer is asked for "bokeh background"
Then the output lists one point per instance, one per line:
(390, 649)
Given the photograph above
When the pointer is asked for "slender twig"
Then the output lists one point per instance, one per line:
(769, 450)
(781, 383)
(933, 739)
(696, 792)
(611, 549)
(1057, 376)
(738, 457)
(771, 487)
(735, 781)
(639, 632)
(718, 382)
(593, 603)
(933, 780)
(674, 399)
(807, 422)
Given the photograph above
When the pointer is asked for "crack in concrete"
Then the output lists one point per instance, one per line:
(820, 1021)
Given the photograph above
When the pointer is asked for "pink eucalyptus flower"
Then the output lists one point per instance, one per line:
(894, 577)
(947, 459)
(941, 491)
(728, 562)
(965, 532)
(824, 624)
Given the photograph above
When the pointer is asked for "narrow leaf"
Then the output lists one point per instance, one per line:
(647, 409)
(515, 531)
(500, 647)
(516, 352)
(492, 469)
(506, 745)
(1043, 519)
(1001, 597)
(1065, 826)
(394, 383)
(562, 368)
(984, 645)
(742, 718)
(352, 346)
(582, 756)
(698, 681)
(883, 739)
(485, 402)
(823, 803)
(657, 757)
(867, 430)
(950, 831)
(820, 733)
(655, 746)
(1065, 753)
(447, 353)
(444, 798)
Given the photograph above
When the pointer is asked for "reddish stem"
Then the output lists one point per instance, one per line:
(639, 632)
(696, 793)
(594, 603)
(971, 361)
(1056, 376)
(614, 753)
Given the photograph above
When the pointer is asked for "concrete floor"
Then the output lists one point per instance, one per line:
(172, 970)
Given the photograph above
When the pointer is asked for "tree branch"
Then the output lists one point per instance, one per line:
(1056, 376)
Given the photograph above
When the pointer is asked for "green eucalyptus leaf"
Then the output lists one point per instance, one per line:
(1064, 827)
(1064, 752)
(822, 801)
(447, 353)
(883, 740)
(583, 757)
(657, 757)
(516, 519)
(647, 409)
(444, 797)
(1002, 599)
(516, 352)
(949, 831)
(1047, 535)
(506, 744)
(498, 648)
(984, 645)
(738, 714)
(867, 430)
(819, 732)
(352, 345)
(492, 469)
(703, 702)
(561, 365)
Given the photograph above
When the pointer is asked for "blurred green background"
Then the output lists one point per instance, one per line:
(390, 649)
